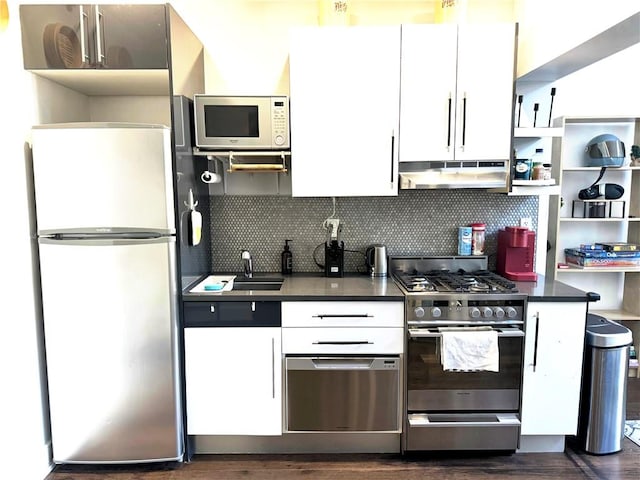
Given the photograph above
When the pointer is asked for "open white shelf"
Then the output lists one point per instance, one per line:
(537, 132)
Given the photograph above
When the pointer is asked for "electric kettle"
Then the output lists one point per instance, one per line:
(376, 260)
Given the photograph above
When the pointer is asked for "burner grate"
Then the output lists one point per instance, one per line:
(480, 281)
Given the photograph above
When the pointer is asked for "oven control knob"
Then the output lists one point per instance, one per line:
(487, 312)
(419, 311)
(474, 312)
(511, 312)
(498, 312)
(436, 312)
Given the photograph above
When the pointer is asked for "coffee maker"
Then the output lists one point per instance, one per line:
(334, 253)
(516, 249)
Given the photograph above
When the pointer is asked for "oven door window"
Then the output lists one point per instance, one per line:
(224, 121)
(431, 387)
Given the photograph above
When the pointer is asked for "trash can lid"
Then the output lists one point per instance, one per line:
(605, 333)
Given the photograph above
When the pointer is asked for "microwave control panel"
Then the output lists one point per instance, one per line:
(280, 122)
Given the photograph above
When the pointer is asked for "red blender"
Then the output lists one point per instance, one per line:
(516, 248)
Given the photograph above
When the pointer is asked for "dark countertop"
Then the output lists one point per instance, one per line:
(315, 287)
(548, 290)
(310, 287)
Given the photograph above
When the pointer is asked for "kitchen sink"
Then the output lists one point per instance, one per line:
(257, 283)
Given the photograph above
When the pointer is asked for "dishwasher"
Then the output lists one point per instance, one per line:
(330, 394)
(343, 366)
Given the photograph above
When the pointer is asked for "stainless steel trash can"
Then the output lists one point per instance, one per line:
(604, 386)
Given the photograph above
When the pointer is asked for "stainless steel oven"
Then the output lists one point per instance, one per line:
(343, 394)
(462, 408)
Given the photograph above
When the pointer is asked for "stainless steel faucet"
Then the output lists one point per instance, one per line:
(247, 264)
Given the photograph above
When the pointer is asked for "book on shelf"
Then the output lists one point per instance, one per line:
(602, 258)
(619, 247)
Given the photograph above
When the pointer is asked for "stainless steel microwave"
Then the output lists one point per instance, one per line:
(241, 122)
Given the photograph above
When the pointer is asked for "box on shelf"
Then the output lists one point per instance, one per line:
(601, 258)
(598, 209)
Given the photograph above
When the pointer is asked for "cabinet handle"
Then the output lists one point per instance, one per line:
(99, 37)
(535, 342)
(351, 315)
(273, 368)
(347, 342)
(84, 21)
(464, 120)
(449, 124)
(393, 142)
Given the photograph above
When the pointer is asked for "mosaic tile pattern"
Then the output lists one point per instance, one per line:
(416, 222)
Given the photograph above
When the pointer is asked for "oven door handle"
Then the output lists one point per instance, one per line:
(420, 333)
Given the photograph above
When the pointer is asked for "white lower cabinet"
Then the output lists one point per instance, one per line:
(554, 345)
(233, 381)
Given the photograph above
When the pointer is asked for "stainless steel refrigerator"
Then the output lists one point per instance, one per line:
(107, 247)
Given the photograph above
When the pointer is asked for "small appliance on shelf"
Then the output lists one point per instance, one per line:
(516, 247)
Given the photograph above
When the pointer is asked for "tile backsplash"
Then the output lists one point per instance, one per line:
(416, 222)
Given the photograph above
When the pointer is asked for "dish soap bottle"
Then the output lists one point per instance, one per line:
(287, 259)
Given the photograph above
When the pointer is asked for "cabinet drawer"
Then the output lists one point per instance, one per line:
(231, 314)
(342, 340)
(343, 314)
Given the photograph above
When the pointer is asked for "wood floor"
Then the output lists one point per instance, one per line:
(570, 465)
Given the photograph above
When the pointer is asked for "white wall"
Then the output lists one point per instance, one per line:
(23, 441)
(548, 28)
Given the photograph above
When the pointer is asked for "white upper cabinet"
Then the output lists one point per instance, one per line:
(457, 92)
(344, 106)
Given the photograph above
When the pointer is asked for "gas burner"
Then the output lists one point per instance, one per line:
(481, 288)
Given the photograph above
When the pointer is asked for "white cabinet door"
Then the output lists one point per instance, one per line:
(486, 76)
(344, 107)
(554, 345)
(427, 92)
(233, 381)
(457, 92)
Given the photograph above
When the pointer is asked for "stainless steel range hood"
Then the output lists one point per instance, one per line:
(454, 174)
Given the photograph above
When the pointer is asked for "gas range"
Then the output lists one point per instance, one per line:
(455, 290)
(456, 299)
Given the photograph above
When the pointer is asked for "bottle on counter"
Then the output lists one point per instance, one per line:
(477, 238)
(287, 259)
(537, 165)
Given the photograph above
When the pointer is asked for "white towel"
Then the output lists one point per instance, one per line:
(469, 350)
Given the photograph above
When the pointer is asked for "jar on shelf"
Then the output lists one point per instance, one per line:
(477, 238)
(537, 172)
